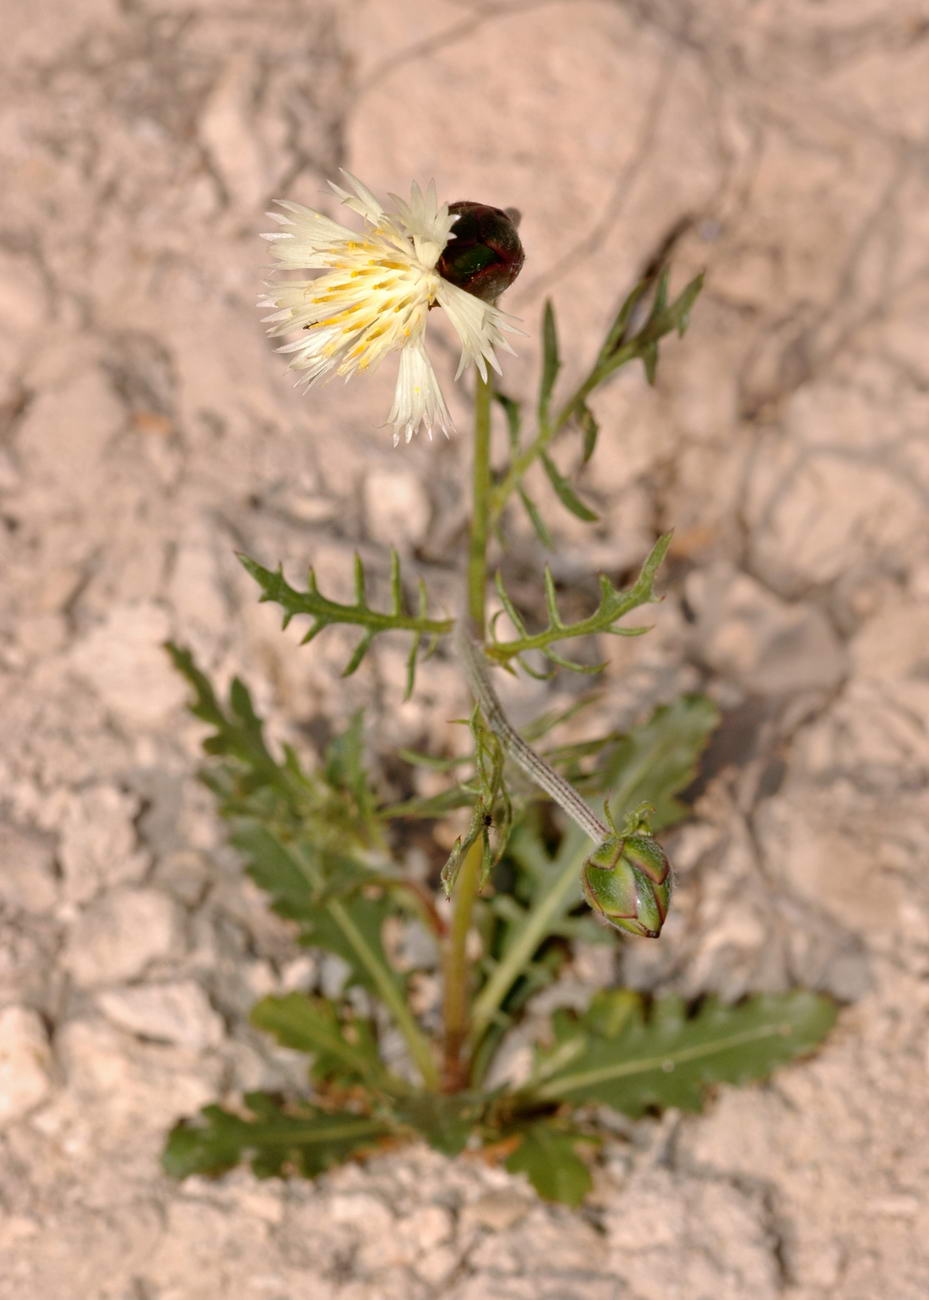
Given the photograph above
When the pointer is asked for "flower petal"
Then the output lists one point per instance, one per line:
(417, 398)
(479, 327)
(364, 201)
(424, 220)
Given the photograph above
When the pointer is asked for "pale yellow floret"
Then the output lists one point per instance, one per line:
(343, 315)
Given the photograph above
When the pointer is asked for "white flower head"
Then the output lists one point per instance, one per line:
(373, 297)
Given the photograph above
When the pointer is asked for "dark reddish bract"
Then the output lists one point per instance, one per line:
(485, 255)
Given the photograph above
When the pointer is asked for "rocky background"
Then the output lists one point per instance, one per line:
(148, 430)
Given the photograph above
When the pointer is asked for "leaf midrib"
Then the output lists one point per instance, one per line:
(558, 1086)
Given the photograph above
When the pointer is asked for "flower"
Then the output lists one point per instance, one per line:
(374, 297)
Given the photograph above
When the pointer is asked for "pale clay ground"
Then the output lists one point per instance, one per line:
(148, 430)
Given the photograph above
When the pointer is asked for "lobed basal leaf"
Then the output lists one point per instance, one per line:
(274, 1136)
(636, 1056)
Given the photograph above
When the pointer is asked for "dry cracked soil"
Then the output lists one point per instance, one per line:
(149, 430)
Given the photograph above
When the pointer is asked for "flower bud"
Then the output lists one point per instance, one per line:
(628, 881)
(484, 255)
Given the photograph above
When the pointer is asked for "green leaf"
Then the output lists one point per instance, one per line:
(275, 1138)
(238, 731)
(346, 770)
(565, 493)
(616, 334)
(663, 318)
(351, 927)
(613, 605)
(324, 612)
(548, 1158)
(551, 361)
(292, 878)
(680, 309)
(653, 762)
(650, 764)
(590, 429)
(635, 1056)
(307, 842)
(535, 518)
(491, 813)
(629, 337)
(254, 786)
(342, 1044)
(341, 917)
(427, 807)
(445, 1121)
(549, 887)
(513, 413)
(537, 974)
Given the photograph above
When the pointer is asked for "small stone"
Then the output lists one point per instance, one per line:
(176, 1013)
(437, 1265)
(496, 1210)
(25, 1063)
(427, 1228)
(99, 844)
(185, 875)
(27, 878)
(894, 646)
(362, 1211)
(22, 296)
(227, 130)
(299, 974)
(396, 506)
(124, 660)
(195, 589)
(333, 974)
(81, 399)
(768, 646)
(125, 1086)
(120, 933)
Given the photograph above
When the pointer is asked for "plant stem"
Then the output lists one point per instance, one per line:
(556, 787)
(456, 1000)
(477, 549)
(456, 994)
(562, 887)
(390, 994)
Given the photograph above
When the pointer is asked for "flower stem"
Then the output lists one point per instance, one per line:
(456, 1000)
(456, 994)
(389, 991)
(477, 549)
(563, 886)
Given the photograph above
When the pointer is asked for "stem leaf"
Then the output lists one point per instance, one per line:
(551, 361)
(325, 612)
(535, 518)
(613, 605)
(565, 492)
(590, 429)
